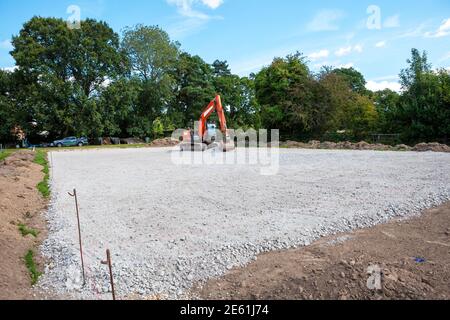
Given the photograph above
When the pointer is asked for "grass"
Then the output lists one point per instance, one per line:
(25, 231)
(43, 186)
(5, 154)
(31, 266)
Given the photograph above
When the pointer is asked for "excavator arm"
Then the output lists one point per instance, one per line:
(214, 105)
(191, 142)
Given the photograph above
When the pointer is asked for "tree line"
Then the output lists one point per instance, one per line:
(92, 82)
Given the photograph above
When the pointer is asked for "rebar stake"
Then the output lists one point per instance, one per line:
(108, 262)
(74, 195)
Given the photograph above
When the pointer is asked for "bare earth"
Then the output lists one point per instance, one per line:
(20, 203)
(414, 257)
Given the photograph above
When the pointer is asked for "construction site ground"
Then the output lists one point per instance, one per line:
(413, 257)
(136, 211)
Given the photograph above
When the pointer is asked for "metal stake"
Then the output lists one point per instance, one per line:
(108, 262)
(74, 195)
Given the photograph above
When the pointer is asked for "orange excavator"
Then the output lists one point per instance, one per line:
(205, 136)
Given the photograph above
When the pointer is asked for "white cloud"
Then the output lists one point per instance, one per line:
(346, 65)
(186, 7)
(392, 22)
(442, 31)
(325, 20)
(347, 50)
(6, 44)
(318, 55)
(445, 57)
(417, 32)
(334, 64)
(213, 4)
(358, 48)
(193, 18)
(381, 85)
(343, 51)
(380, 44)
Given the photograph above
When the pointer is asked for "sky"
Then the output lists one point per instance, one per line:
(375, 37)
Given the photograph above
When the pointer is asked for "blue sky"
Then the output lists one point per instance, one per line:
(373, 36)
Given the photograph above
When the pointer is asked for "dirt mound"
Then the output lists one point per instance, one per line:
(165, 142)
(435, 147)
(402, 147)
(19, 159)
(20, 204)
(410, 258)
(131, 141)
(363, 145)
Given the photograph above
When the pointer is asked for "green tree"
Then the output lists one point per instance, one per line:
(386, 102)
(64, 71)
(7, 110)
(284, 93)
(118, 104)
(158, 128)
(423, 110)
(194, 90)
(153, 58)
(346, 110)
(354, 78)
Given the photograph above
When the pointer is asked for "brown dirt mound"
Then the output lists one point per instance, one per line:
(363, 145)
(165, 142)
(20, 203)
(435, 147)
(131, 141)
(413, 258)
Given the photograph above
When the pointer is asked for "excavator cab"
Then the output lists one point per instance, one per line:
(206, 135)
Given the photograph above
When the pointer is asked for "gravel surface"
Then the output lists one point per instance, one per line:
(169, 226)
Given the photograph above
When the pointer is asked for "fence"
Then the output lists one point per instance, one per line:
(386, 138)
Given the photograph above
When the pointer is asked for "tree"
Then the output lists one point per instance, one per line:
(65, 70)
(423, 111)
(386, 102)
(194, 89)
(7, 110)
(151, 52)
(118, 104)
(284, 92)
(221, 68)
(158, 128)
(354, 78)
(153, 57)
(344, 109)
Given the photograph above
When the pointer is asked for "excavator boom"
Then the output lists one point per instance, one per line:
(189, 137)
(214, 105)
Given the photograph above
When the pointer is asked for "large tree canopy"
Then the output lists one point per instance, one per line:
(89, 82)
(64, 70)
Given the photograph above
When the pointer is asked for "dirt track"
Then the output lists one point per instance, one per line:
(414, 257)
(20, 203)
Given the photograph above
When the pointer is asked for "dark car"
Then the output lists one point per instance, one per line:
(70, 142)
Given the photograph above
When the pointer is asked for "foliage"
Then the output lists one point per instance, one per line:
(43, 186)
(63, 72)
(31, 266)
(25, 231)
(87, 82)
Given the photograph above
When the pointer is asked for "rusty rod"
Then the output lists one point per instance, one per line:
(74, 195)
(109, 263)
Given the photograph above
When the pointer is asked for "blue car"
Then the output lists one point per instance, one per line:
(70, 142)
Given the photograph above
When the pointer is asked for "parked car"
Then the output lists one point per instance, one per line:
(70, 142)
